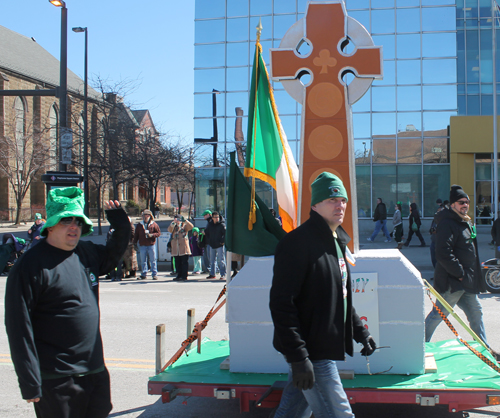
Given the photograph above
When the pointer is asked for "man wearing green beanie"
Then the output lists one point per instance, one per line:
(52, 310)
(311, 306)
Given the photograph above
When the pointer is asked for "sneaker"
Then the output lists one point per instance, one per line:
(210, 277)
(369, 239)
(142, 277)
(388, 240)
(155, 277)
(222, 278)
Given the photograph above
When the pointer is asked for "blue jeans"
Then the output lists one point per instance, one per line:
(380, 225)
(148, 251)
(468, 302)
(206, 258)
(433, 252)
(196, 263)
(326, 399)
(219, 253)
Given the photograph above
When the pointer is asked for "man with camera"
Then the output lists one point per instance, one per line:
(180, 246)
(145, 236)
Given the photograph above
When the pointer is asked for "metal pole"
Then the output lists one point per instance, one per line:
(495, 140)
(85, 133)
(63, 83)
(216, 131)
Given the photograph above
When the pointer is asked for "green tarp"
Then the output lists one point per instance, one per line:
(457, 368)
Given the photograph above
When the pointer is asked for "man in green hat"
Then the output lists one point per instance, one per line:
(34, 232)
(52, 310)
(311, 306)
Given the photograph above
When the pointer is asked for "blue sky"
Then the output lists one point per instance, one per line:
(147, 40)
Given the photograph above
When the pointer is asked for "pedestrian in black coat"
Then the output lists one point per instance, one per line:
(414, 219)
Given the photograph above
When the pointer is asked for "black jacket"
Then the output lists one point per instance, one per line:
(380, 213)
(52, 307)
(457, 256)
(495, 231)
(415, 216)
(306, 297)
(215, 234)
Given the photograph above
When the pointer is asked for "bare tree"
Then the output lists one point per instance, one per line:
(158, 161)
(184, 182)
(118, 131)
(23, 155)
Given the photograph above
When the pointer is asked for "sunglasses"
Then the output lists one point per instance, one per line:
(463, 202)
(69, 221)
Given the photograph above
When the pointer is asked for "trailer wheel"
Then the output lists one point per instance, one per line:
(492, 280)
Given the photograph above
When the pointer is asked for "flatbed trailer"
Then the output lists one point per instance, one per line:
(460, 382)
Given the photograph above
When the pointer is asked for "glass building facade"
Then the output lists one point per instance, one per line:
(437, 64)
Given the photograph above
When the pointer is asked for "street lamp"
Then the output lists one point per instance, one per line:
(85, 132)
(65, 137)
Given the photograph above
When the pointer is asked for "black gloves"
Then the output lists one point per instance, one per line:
(303, 374)
(369, 346)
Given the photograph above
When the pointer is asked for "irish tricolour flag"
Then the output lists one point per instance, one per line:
(268, 155)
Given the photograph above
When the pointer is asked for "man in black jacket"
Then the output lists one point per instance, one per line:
(52, 310)
(215, 234)
(380, 219)
(457, 276)
(311, 306)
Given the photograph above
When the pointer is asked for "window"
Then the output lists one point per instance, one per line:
(238, 54)
(438, 18)
(237, 29)
(361, 124)
(433, 189)
(384, 186)
(409, 124)
(436, 150)
(382, 21)
(383, 98)
(384, 151)
(209, 55)
(409, 151)
(206, 80)
(408, 20)
(363, 188)
(207, 31)
(213, 8)
(409, 98)
(409, 72)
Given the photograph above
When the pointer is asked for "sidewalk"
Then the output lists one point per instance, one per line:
(419, 256)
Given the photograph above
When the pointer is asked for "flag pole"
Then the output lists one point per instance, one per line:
(252, 216)
(495, 140)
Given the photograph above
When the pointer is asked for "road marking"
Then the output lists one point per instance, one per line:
(112, 363)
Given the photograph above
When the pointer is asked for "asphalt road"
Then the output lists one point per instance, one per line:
(131, 310)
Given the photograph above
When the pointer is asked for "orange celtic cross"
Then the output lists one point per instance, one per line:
(326, 137)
